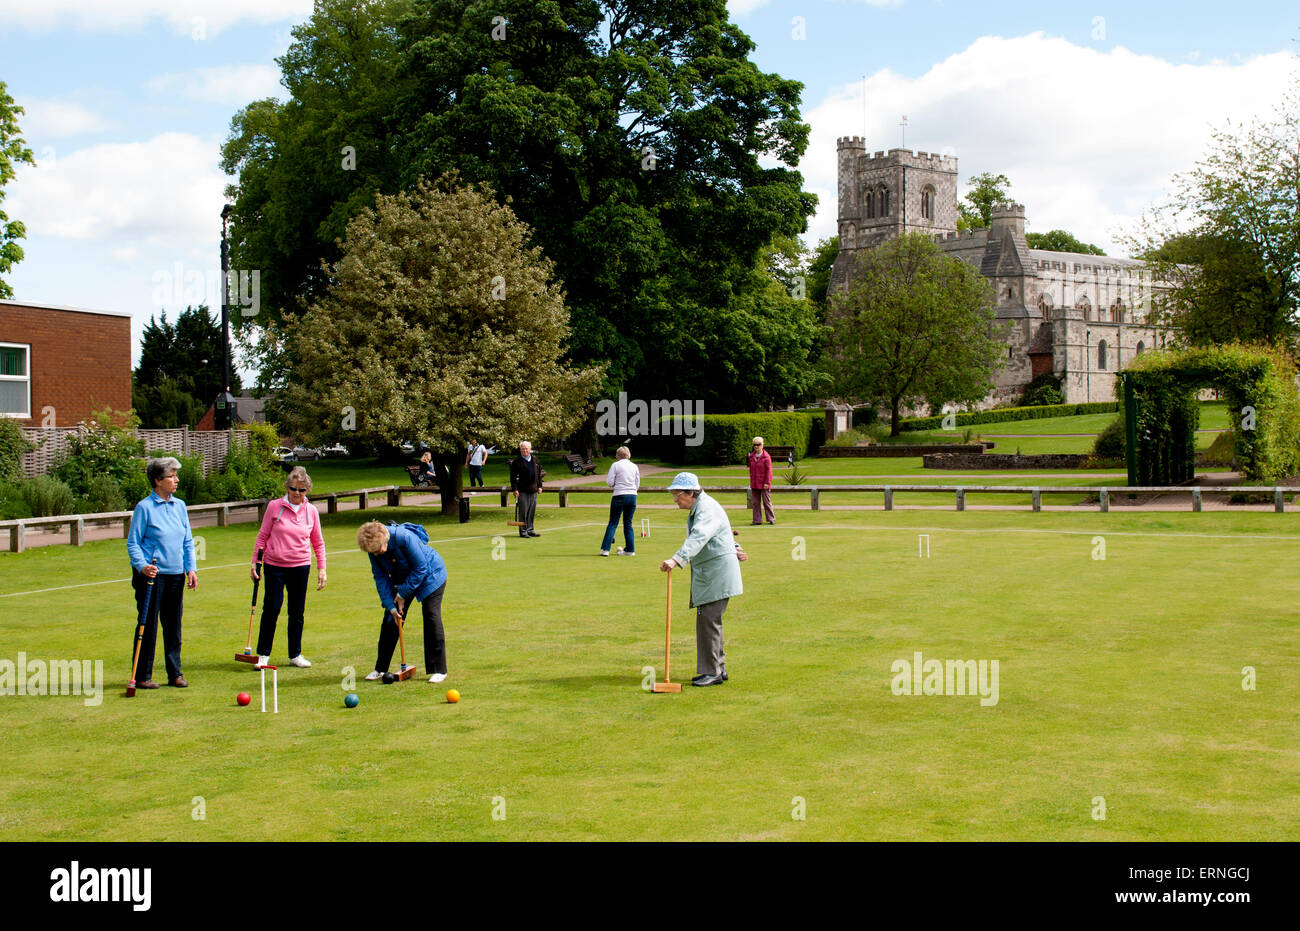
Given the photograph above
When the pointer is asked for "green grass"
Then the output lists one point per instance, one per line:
(1118, 678)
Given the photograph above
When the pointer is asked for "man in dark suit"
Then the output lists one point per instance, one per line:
(526, 474)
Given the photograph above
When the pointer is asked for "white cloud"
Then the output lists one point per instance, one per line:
(46, 118)
(196, 18)
(166, 191)
(230, 85)
(1089, 138)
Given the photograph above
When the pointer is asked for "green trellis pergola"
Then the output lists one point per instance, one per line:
(1159, 391)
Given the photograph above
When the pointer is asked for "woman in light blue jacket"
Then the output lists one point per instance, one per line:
(714, 558)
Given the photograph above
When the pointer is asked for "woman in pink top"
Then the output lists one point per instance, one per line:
(290, 532)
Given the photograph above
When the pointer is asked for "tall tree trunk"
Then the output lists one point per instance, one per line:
(893, 417)
(451, 478)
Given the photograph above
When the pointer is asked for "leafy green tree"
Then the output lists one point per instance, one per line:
(819, 272)
(628, 136)
(1228, 239)
(180, 370)
(986, 192)
(442, 323)
(13, 150)
(915, 325)
(1061, 241)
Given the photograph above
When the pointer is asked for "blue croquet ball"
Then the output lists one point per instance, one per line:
(351, 701)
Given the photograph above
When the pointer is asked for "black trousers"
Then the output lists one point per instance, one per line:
(435, 645)
(275, 579)
(166, 607)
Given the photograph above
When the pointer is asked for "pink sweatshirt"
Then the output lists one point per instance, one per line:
(289, 538)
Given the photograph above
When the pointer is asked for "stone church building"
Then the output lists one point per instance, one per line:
(1080, 317)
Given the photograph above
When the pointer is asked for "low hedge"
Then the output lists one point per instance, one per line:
(1005, 414)
(804, 431)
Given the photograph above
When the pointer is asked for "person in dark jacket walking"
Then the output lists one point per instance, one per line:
(526, 475)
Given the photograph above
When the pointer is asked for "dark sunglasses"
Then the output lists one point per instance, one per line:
(301, 491)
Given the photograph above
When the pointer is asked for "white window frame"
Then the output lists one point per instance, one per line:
(26, 379)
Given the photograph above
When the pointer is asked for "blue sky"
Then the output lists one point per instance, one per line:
(1089, 108)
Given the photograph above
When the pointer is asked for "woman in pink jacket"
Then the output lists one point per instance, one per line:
(290, 532)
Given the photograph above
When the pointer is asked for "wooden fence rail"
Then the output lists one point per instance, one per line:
(392, 497)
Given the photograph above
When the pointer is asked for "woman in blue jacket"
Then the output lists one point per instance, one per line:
(406, 568)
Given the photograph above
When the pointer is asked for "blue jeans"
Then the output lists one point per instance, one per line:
(624, 505)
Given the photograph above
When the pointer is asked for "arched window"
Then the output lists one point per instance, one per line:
(1101, 355)
(1141, 347)
(1117, 310)
(884, 201)
(1045, 306)
(871, 204)
(927, 203)
(1084, 305)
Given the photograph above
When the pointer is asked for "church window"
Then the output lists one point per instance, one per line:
(1101, 355)
(884, 201)
(1141, 347)
(927, 203)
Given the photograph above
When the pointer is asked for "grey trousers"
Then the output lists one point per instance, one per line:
(527, 510)
(709, 658)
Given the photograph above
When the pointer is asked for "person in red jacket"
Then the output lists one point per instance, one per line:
(760, 482)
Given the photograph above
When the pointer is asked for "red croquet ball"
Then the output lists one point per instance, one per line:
(243, 698)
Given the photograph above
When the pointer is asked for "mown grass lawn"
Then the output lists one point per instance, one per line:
(1119, 678)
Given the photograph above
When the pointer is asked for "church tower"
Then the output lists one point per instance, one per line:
(888, 194)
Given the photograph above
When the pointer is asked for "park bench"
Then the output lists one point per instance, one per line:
(418, 480)
(781, 454)
(578, 465)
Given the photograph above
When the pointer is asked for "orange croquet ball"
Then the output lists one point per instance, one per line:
(453, 696)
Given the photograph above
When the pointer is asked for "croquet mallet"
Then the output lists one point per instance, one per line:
(247, 656)
(406, 671)
(516, 522)
(668, 685)
(139, 632)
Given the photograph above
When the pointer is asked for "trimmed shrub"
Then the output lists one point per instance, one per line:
(12, 446)
(1110, 441)
(1042, 391)
(48, 497)
(109, 448)
(102, 494)
(733, 434)
(1007, 414)
(13, 505)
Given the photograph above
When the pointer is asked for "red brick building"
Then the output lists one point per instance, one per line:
(60, 364)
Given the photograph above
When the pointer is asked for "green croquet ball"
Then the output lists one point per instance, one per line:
(351, 701)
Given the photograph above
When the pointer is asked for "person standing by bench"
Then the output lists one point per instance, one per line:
(760, 482)
(625, 479)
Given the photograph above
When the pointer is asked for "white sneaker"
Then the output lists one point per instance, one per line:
(264, 661)
(604, 552)
(438, 677)
(623, 552)
(375, 675)
(301, 661)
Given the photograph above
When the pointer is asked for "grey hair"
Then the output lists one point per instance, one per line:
(623, 453)
(297, 473)
(157, 469)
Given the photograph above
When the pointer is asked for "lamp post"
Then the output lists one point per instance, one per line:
(224, 406)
